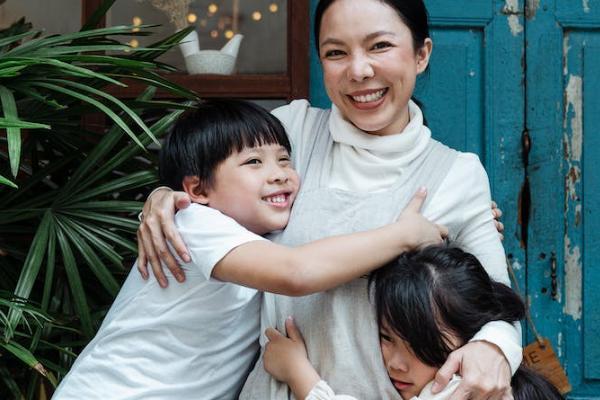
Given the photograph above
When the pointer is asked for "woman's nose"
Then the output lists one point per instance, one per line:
(360, 68)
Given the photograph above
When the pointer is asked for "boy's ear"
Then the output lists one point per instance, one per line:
(193, 187)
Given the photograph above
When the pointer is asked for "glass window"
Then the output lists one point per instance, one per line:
(263, 23)
(56, 16)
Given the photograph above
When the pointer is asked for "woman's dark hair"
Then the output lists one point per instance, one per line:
(412, 12)
(204, 137)
(428, 296)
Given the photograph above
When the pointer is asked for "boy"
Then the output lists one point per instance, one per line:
(198, 339)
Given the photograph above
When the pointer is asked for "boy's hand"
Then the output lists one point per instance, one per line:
(422, 232)
(285, 358)
(158, 227)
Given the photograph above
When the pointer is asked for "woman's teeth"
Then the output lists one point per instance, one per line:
(369, 97)
(281, 198)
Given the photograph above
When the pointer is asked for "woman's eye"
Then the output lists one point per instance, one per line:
(333, 53)
(381, 45)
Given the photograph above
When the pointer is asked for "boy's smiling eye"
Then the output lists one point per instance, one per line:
(252, 161)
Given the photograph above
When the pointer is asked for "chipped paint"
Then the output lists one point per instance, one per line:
(517, 265)
(559, 345)
(511, 8)
(532, 7)
(577, 214)
(586, 6)
(573, 282)
(566, 49)
(573, 178)
(574, 98)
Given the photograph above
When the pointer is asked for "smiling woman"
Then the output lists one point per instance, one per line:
(359, 163)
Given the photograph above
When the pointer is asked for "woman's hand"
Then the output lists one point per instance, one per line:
(497, 213)
(484, 369)
(422, 232)
(285, 358)
(158, 227)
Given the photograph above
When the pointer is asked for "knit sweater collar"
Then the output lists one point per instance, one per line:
(414, 136)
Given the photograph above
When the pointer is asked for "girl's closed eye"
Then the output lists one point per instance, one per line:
(385, 337)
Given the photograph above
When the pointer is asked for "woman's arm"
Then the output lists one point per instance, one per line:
(285, 358)
(330, 262)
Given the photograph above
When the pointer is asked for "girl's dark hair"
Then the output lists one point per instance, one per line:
(204, 137)
(428, 296)
(412, 12)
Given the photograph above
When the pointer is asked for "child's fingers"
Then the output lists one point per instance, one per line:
(417, 200)
(292, 330)
(272, 334)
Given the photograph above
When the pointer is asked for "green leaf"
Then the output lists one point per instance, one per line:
(32, 264)
(4, 181)
(92, 260)
(118, 222)
(131, 181)
(110, 236)
(75, 284)
(110, 98)
(9, 123)
(29, 359)
(94, 102)
(15, 38)
(9, 107)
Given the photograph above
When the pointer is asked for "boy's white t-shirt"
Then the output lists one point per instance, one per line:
(194, 340)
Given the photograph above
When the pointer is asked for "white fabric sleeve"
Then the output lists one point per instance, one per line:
(466, 191)
(322, 391)
(209, 235)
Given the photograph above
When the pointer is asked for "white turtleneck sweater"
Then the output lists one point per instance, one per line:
(360, 162)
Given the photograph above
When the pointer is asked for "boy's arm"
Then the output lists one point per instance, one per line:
(326, 263)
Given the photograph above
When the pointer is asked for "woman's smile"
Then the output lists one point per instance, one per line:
(368, 99)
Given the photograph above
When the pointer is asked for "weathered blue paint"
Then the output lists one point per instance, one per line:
(498, 70)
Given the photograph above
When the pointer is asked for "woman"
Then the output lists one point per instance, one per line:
(360, 163)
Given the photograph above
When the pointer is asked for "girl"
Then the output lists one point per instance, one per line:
(428, 303)
(359, 162)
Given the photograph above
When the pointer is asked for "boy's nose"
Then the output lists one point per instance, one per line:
(278, 176)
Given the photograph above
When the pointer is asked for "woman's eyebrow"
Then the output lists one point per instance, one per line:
(367, 38)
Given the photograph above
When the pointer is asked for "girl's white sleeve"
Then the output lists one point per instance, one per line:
(463, 202)
(322, 391)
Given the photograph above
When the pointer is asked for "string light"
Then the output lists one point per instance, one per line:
(191, 18)
(273, 7)
(134, 43)
(213, 8)
(203, 23)
(229, 34)
(256, 15)
(137, 21)
(214, 34)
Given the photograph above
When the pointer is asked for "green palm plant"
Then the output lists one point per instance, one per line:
(69, 192)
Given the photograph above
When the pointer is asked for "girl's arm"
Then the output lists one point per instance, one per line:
(285, 358)
(330, 262)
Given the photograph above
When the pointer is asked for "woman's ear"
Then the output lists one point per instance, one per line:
(194, 188)
(423, 55)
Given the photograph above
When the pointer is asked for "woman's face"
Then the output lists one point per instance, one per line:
(369, 64)
(408, 373)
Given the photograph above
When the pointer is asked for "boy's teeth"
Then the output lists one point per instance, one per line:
(276, 199)
(369, 97)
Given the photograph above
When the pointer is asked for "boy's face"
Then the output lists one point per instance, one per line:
(256, 187)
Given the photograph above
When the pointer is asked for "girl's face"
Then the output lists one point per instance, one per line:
(408, 373)
(369, 64)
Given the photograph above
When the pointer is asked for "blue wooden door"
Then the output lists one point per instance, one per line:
(563, 119)
(518, 82)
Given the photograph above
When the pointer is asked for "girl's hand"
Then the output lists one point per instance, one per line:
(285, 358)
(158, 227)
(422, 232)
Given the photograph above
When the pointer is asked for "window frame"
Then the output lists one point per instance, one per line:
(291, 85)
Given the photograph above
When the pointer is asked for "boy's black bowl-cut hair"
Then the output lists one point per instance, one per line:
(204, 137)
